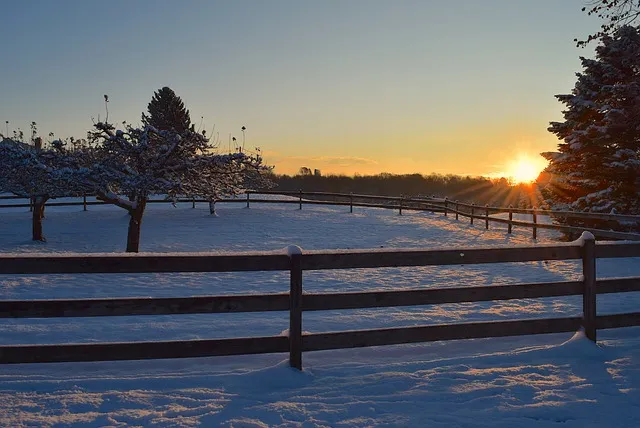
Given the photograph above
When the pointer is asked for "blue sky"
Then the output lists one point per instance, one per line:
(353, 86)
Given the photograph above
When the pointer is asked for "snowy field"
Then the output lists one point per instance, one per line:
(559, 380)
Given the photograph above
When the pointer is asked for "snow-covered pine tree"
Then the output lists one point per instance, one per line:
(140, 162)
(597, 166)
(39, 174)
(167, 112)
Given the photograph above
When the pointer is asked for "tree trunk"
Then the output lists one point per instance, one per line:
(37, 216)
(135, 221)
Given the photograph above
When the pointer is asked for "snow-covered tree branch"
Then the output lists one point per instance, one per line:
(38, 174)
(140, 162)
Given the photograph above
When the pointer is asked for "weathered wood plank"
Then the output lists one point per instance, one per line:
(315, 202)
(617, 249)
(598, 232)
(141, 263)
(378, 299)
(349, 259)
(141, 350)
(374, 197)
(313, 194)
(592, 216)
(567, 214)
(275, 201)
(150, 262)
(142, 306)
(434, 201)
(589, 296)
(275, 192)
(618, 320)
(617, 285)
(396, 336)
(295, 312)
(372, 205)
(312, 302)
(358, 204)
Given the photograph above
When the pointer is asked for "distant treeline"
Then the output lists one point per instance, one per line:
(478, 190)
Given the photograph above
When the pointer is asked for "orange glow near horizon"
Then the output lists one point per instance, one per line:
(525, 169)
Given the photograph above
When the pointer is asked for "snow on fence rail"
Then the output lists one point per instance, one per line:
(296, 303)
(442, 205)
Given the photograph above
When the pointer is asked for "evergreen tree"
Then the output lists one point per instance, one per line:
(597, 166)
(167, 112)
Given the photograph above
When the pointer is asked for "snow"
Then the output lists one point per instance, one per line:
(294, 250)
(530, 381)
(586, 236)
(132, 205)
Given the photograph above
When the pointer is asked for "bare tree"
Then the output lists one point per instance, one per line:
(39, 174)
(614, 13)
(136, 163)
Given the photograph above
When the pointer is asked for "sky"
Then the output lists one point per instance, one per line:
(348, 87)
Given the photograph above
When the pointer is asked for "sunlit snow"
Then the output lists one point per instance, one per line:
(560, 380)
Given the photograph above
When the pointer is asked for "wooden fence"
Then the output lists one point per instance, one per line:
(441, 205)
(485, 213)
(461, 209)
(296, 302)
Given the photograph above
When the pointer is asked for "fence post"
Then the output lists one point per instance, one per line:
(84, 202)
(510, 219)
(295, 307)
(247, 199)
(445, 207)
(351, 202)
(486, 216)
(457, 209)
(535, 221)
(300, 198)
(589, 274)
(472, 208)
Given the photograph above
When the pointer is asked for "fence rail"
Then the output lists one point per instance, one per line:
(296, 303)
(440, 205)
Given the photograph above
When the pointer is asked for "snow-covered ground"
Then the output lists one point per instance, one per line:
(545, 380)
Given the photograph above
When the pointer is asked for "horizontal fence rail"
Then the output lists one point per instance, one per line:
(403, 335)
(351, 259)
(141, 263)
(380, 299)
(142, 351)
(296, 302)
(437, 205)
(143, 306)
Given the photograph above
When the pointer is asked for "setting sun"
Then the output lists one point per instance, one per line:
(525, 169)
